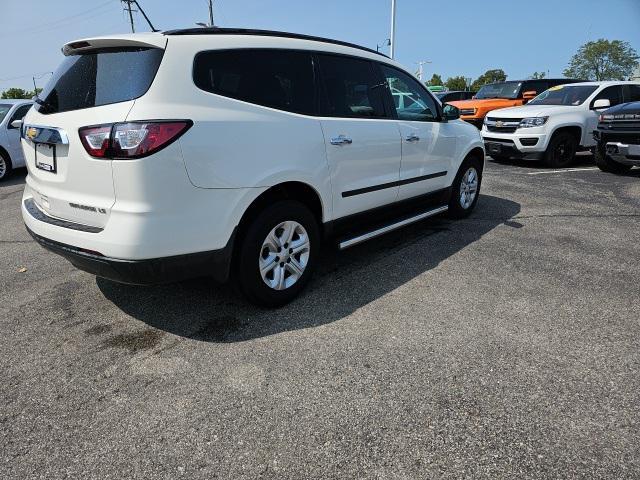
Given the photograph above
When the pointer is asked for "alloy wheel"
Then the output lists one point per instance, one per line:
(468, 187)
(284, 255)
(3, 167)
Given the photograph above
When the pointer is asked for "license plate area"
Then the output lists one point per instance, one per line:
(45, 157)
(494, 148)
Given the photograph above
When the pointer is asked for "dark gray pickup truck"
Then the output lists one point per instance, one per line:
(618, 137)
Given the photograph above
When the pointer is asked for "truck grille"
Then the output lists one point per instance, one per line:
(502, 125)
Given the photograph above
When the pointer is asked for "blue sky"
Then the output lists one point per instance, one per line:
(459, 37)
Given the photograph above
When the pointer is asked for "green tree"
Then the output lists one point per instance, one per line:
(538, 75)
(435, 80)
(18, 93)
(490, 76)
(603, 60)
(456, 83)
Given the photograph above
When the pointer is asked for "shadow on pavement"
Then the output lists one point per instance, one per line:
(344, 282)
(17, 177)
(582, 159)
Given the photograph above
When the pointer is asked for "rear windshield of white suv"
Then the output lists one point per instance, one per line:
(564, 95)
(100, 77)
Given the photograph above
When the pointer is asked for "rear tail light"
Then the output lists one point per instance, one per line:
(132, 139)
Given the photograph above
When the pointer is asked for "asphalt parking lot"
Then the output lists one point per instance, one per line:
(506, 345)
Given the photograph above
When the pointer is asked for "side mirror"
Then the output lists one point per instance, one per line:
(529, 95)
(449, 112)
(15, 124)
(601, 104)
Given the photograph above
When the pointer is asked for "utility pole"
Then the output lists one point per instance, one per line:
(127, 7)
(392, 40)
(421, 64)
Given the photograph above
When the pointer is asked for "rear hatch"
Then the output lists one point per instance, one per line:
(97, 83)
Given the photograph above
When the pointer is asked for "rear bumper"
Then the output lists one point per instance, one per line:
(214, 263)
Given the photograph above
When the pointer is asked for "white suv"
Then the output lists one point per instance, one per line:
(234, 153)
(11, 114)
(555, 124)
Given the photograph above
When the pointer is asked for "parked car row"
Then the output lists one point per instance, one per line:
(556, 124)
(236, 153)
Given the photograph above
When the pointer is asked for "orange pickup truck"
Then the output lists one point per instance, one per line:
(502, 95)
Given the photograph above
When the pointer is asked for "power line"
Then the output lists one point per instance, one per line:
(55, 24)
(128, 4)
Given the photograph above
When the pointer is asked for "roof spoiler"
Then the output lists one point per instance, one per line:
(149, 40)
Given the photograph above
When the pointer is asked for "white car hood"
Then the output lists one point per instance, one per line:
(533, 111)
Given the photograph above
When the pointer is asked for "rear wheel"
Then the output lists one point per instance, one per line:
(606, 164)
(5, 166)
(561, 150)
(466, 188)
(277, 255)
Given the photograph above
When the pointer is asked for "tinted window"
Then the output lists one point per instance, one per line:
(351, 88)
(537, 86)
(411, 100)
(613, 94)
(20, 112)
(279, 79)
(100, 77)
(633, 93)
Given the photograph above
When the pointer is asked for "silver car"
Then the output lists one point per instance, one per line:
(11, 114)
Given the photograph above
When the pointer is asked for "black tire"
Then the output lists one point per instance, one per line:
(607, 164)
(561, 150)
(456, 208)
(5, 166)
(247, 274)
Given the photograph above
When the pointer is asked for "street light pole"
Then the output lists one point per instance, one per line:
(393, 28)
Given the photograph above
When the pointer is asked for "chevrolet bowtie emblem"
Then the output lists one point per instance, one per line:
(499, 123)
(31, 133)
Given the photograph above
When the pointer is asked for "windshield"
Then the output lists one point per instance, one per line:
(100, 77)
(4, 109)
(500, 90)
(564, 95)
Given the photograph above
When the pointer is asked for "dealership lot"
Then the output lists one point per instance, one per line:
(503, 345)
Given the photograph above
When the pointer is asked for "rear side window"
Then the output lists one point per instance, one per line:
(20, 112)
(100, 77)
(351, 88)
(281, 79)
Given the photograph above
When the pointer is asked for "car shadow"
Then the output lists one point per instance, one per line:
(582, 159)
(345, 281)
(17, 177)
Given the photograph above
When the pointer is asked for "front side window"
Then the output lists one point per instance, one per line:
(20, 112)
(281, 79)
(351, 88)
(613, 94)
(412, 102)
(564, 95)
(100, 77)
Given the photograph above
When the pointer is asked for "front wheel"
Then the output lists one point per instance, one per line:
(278, 253)
(561, 150)
(606, 164)
(466, 188)
(5, 166)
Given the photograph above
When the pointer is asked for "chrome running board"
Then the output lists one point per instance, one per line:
(388, 228)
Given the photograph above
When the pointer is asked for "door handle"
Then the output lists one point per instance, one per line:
(341, 140)
(412, 138)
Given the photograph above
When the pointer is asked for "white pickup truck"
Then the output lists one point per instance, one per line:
(555, 124)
